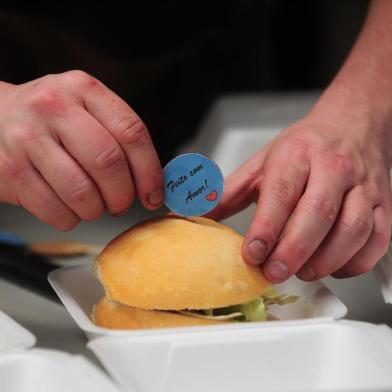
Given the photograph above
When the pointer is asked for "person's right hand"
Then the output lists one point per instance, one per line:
(70, 148)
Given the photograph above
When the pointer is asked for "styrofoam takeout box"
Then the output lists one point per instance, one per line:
(307, 350)
(26, 369)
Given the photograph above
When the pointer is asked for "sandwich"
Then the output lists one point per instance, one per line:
(174, 271)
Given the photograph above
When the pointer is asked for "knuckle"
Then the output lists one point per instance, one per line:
(20, 173)
(56, 212)
(78, 76)
(297, 252)
(340, 164)
(132, 130)
(26, 137)
(22, 134)
(79, 189)
(323, 206)
(53, 207)
(43, 93)
(344, 164)
(45, 99)
(296, 147)
(111, 157)
(284, 192)
(12, 171)
(356, 226)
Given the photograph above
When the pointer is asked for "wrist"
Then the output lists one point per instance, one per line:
(357, 97)
(360, 95)
(359, 112)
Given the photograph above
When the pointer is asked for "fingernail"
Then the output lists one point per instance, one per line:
(258, 250)
(155, 197)
(278, 271)
(307, 273)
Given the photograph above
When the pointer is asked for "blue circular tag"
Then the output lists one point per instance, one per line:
(193, 184)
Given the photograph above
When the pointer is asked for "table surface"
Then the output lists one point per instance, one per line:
(54, 328)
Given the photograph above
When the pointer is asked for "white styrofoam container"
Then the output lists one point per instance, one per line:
(24, 369)
(79, 291)
(327, 356)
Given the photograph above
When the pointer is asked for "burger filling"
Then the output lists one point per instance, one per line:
(254, 310)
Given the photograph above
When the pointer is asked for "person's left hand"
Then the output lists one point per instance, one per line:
(323, 199)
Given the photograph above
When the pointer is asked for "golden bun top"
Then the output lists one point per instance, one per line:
(174, 263)
(110, 314)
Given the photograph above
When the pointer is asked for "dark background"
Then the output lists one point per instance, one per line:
(170, 59)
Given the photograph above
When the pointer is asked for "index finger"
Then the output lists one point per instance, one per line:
(283, 184)
(132, 135)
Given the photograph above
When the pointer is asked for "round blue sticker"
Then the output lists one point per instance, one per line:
(193, 184)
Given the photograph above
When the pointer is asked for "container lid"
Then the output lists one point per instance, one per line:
(383, 274)
(23, 368)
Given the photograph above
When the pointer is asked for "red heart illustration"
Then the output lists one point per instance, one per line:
(212, 196)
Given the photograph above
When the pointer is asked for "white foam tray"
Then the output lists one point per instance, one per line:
(79, 290)
(23, 369)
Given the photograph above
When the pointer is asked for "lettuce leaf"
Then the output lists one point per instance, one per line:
(271, 297)
(254, 310)
(222, 317)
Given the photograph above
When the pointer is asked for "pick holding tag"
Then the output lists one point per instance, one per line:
(193, 184)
